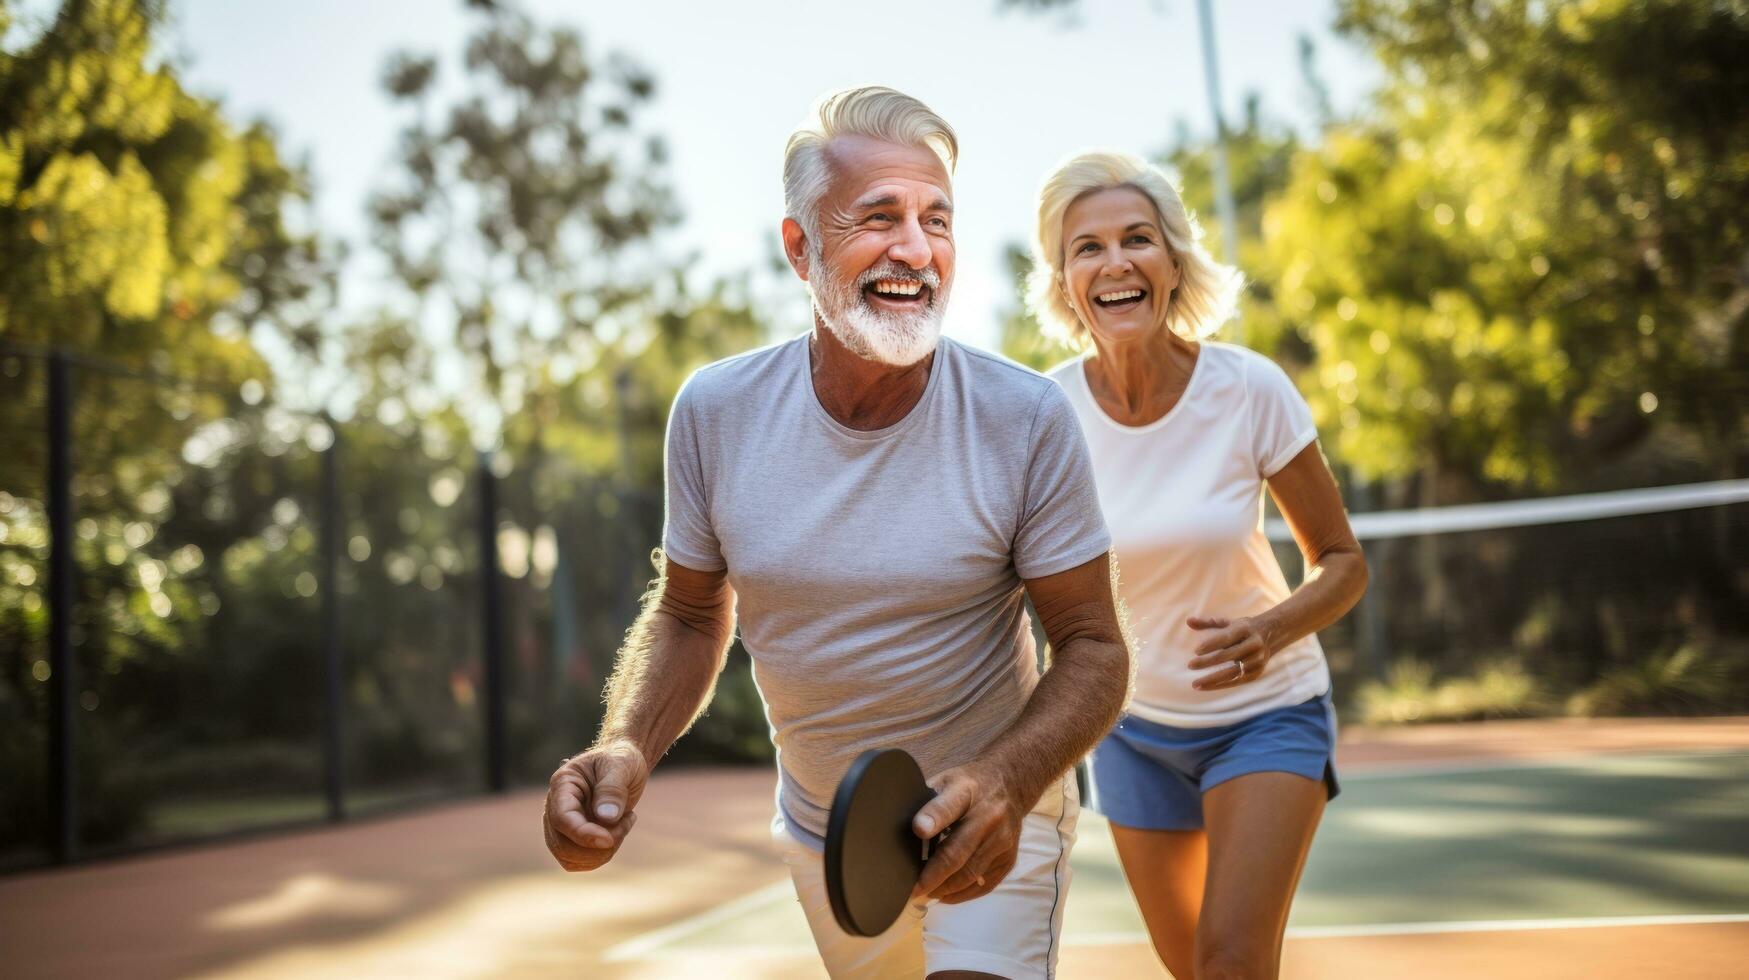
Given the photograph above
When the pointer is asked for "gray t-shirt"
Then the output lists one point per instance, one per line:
(878, 574)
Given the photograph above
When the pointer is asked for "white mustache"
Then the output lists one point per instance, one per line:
(927, 277)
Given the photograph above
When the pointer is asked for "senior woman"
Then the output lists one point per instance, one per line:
(1216, 777)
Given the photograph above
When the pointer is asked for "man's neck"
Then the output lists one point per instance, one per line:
(860, 393)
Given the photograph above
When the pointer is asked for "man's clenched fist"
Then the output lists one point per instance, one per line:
(589, 804)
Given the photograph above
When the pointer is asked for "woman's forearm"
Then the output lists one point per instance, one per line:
(1332, 587)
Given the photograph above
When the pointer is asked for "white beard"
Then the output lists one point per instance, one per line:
(899, 339)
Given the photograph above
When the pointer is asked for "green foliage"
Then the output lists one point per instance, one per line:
(139, 224)
(1523, 250)
(1689, 680)
(1020, 337)
(1259, 157)
(516, 215)
(132, 214)
(1500, 688)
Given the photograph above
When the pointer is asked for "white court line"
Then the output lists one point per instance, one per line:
(639, 947)
(648, 945)
(1574, 760)
(1302, 932)
(1509, 925)
(1368, 931)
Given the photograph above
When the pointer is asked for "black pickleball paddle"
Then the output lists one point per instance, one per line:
(873, 857)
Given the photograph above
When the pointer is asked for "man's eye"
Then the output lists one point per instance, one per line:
(879, 216)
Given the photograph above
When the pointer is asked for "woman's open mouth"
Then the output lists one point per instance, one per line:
(1120, 300)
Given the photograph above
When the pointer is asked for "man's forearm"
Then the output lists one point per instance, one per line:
(661, 682)
(1075, 703)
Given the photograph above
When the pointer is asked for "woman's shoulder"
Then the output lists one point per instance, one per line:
(1067, 371)
(1246, 370)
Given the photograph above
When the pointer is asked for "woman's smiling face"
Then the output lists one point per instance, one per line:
(1118, 273)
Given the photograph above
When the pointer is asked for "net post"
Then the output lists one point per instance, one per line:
(492, 620)
(63, 777)
(333, 722)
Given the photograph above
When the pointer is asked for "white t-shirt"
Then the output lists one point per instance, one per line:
(1183, 497)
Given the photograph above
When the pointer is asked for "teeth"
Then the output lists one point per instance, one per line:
(1120, 296)
(898, 288)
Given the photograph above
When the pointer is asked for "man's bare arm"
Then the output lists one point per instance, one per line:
(1075, 703)
(1084, 688)
(668, 667)
(661, 681)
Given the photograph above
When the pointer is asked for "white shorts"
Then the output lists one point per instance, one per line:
(1012, 932)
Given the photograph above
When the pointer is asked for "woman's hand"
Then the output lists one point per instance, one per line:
(1237, 649)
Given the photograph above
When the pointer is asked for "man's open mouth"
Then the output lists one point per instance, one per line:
(898, 294)
(1120, 300)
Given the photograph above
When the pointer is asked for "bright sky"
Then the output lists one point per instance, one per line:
(1023, 90)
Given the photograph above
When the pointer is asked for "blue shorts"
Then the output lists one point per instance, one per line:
(1151, 777)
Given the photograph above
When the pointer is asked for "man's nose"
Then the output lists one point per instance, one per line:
(912, 245)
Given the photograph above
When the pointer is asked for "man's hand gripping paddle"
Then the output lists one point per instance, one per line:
(873, 858)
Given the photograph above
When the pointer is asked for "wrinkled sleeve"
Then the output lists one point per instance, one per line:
(1281, 421)
(1061, 523)
(688, 536)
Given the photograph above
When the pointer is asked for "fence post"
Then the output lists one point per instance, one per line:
(492, 621)
(333, 721)
(63, 764)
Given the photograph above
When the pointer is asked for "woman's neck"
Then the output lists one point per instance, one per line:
(1138, 383)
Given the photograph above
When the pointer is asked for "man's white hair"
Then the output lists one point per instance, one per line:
(1207, 291)
(871, 111)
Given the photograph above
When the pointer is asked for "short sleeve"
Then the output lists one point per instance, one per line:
(1281, 421)
(688, 537)
(1061, 523)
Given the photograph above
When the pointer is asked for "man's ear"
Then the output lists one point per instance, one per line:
(795, 247)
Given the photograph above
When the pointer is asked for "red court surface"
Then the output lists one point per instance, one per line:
(467, 890)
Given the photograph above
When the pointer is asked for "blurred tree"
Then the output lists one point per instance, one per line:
(135, 220)
(140, 225)
(1019, 335)
(520, 227)
(1526, 253)
(519, 217)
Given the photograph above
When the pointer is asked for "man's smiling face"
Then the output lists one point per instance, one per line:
(882, 264)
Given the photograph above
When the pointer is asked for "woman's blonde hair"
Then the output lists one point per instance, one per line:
(1207, 290)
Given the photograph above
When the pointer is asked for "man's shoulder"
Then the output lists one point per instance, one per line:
(737, 375)
(994, 380)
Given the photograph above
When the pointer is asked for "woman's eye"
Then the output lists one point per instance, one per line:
(1141, 240)
(1088, 247)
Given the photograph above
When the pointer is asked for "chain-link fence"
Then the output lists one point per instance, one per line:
(271, 617)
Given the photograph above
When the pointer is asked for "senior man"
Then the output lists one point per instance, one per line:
(871, 501)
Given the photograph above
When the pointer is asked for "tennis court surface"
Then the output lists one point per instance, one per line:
(1513, 849)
